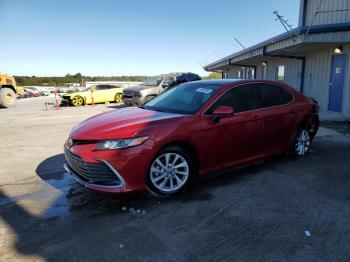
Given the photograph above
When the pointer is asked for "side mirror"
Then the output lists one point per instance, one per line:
(222, 111)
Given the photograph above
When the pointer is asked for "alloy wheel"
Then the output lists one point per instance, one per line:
(302, 142)
(118, 98)
(169, 172)
(77, 101)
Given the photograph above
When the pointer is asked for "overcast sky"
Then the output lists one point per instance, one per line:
(105, 37)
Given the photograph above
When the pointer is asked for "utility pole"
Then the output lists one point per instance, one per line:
(239, 43)
(283, 21)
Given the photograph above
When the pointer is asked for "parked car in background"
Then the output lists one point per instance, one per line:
(195, 128)
(100, 94)
(44, 91)
(25, 94)
(61, 90)
(153, 86)
(32, 91)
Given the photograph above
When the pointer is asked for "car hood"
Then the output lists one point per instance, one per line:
(121, 123)
(133, 89)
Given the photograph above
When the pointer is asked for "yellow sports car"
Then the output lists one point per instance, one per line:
(96, 94)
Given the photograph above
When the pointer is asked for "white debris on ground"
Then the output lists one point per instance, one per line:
(307, 233)
(133, 210)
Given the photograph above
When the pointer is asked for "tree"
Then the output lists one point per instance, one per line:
(214, 75)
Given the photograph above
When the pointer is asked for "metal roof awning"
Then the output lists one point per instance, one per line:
(292, 44)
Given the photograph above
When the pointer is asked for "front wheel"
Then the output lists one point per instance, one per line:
(171, 171)
(7, 97)
(77, 101)
(302, 142)
(118, 98)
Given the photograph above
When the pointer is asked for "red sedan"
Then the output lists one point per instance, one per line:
(193, 129)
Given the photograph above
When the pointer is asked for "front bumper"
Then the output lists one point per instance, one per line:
(94, 186)
(133, 101)
(112, 171)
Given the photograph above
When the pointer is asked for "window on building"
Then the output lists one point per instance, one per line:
(272, 95)
(280, 73)
(264, 72)
(251, 72)
(240, 98)
(239, 74)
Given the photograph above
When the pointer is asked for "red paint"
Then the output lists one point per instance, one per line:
(234, 140)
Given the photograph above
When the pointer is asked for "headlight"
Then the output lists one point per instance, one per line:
(138, 94)
(121, 143)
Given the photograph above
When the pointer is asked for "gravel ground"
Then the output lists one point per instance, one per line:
(280, 209)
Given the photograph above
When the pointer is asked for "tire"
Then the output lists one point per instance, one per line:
(77, 101)
(166, 180)
(302, 142)
(118, 98)
(7, 98)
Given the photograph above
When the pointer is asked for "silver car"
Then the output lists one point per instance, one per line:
(153, 86)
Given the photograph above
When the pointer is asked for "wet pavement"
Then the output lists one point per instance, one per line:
(280, 209)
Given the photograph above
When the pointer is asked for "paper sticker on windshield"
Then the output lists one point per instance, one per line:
(204, 90)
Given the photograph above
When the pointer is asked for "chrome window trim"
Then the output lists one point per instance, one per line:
(256, 109)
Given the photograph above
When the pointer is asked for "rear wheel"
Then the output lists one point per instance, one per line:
(77, 101)
(118, 98)
(302, 142)
(7, 97)
(171, 171)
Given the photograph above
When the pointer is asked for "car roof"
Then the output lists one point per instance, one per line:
(238, 81)
(174, 74)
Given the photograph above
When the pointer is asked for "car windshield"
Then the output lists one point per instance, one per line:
(152, 81)
(184, 99)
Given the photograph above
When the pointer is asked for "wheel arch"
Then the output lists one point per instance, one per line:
(187, 146)
(10, 87)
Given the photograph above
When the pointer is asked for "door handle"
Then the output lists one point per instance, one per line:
(292, 110)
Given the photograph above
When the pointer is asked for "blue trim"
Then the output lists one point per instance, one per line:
(304, 13)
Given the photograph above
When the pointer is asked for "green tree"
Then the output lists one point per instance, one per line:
(214, 75)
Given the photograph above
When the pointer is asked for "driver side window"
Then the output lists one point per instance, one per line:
(170, 81)
(240, 98)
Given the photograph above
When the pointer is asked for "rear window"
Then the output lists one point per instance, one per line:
(270, 95)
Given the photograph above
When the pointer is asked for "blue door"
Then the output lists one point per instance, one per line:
(336, 84)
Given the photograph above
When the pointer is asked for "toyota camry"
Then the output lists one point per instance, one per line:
(192, 130)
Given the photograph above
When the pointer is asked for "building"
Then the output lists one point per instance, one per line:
(313, 58)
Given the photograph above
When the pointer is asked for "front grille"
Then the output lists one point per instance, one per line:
(97, 173)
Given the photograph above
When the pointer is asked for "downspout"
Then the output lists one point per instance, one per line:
(302, 75)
